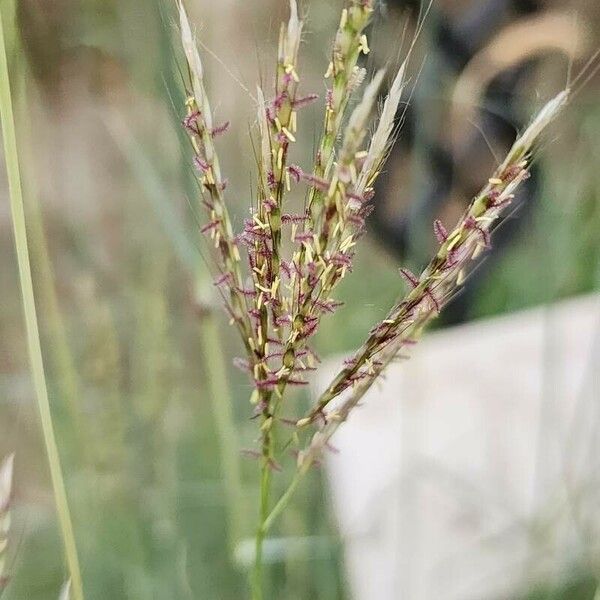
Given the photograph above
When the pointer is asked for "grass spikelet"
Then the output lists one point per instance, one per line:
(350, 42)
(199, 126)
(356, 129)
(193, 59)
(292, 36)
(380, 141)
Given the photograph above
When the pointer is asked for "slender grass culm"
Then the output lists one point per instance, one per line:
(31, 322)
(277, 276)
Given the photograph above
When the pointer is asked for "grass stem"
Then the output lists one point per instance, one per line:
(221, 407)
(283, 501)
(265, 493)
(33, 338)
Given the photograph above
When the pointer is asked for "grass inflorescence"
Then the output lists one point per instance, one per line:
(278, 276)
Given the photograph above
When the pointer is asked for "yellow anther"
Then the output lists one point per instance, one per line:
(294, 121)
(347, 243)
(325, 274)
(288, 134)
(317, 243)
(344, 18)
(259, 223)
(332, 187)
(275, 286)
(308, 252)
(453, 239)
(364, 44)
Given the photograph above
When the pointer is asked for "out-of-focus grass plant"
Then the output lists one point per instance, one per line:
(31, 319)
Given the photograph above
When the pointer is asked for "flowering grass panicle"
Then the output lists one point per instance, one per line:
(296, 257)
(429, 292)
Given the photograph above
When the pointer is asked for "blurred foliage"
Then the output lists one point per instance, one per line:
(584, 587)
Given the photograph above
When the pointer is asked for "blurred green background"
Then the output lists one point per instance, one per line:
(159, 495)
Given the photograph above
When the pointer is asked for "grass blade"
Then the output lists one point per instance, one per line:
(31, 322)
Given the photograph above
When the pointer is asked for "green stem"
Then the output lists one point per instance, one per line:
(265, 492)
(33, 338)
(283, 502)
(226, 432)
(268, 517)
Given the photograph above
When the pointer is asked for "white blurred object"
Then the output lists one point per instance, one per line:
(472, 472)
